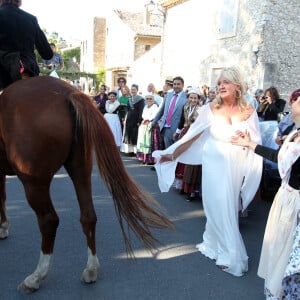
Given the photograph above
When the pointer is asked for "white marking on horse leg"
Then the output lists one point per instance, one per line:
(4, 230)
(32, 282)
(91, 271)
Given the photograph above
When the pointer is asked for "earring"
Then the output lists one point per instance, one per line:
(238, 94)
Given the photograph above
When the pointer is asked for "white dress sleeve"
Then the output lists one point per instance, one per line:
(253, 164)
(166, 171)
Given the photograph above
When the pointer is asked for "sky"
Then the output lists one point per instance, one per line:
(66, 17)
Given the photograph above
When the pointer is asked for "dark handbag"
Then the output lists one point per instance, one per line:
(11, 63)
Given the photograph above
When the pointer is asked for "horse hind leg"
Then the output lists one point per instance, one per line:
(4, 230)
(4, 222)
(38, 197)
(88, 222)
(79, 168)
(90, 273)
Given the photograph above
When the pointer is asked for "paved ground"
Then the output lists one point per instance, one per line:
(175, 271)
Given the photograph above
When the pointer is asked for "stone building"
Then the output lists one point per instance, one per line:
(260, 36)
(93, 46)
(196, 39)
(125, 44)
(133, 50)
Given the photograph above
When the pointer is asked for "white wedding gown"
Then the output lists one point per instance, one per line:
(229, 172)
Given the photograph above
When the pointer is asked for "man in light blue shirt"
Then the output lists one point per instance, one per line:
(56, 62)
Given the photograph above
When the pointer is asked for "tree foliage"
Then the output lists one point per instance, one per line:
(100, 77)
(71, 57)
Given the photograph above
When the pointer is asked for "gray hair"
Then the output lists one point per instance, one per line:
(258, 93)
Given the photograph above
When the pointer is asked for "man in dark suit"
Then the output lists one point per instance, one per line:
(168, 116)
(19, 34)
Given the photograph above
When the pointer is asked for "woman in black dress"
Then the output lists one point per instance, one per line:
(135, 106)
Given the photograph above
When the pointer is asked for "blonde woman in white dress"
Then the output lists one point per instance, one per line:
(229, 173)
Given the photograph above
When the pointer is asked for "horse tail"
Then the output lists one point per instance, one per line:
(137, 208)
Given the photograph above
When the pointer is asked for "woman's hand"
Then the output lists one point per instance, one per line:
(280, 139)
(175, 136)
(269, 99)
(241, 138)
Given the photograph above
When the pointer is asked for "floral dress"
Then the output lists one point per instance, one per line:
(291, 280)
(279, 259)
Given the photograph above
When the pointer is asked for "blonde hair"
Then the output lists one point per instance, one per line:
(125, 87)
(233, 75)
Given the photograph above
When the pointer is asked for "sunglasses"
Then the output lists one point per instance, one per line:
(149, 99)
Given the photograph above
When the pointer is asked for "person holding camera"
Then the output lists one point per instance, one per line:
(286, 125)
(271, 105)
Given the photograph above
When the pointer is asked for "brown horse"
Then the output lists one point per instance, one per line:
(46, 123)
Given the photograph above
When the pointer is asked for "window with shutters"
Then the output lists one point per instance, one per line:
(228, 18)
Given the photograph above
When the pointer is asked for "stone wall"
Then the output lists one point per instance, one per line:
(265, 44)
(141, 43)
(281, 40)
(99, 43)
(270, 27)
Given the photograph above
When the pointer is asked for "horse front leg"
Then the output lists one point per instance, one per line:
(39, 199)
(32, 282)
(4, 222)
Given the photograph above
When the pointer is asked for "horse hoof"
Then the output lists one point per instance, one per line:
(89, 276)
(23, 288)
(4, 230)
(3, 234)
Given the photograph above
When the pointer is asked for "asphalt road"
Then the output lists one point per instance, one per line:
(176, 271)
